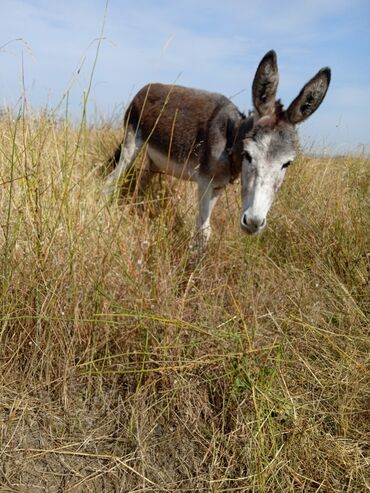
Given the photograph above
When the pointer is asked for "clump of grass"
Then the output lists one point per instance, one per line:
(123, 369)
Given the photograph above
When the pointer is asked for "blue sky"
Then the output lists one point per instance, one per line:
(210, 44)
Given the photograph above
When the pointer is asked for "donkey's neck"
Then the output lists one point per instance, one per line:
(235, 138)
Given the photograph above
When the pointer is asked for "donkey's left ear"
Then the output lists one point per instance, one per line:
(310, 97)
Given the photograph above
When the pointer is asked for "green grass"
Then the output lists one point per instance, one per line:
(125, 369)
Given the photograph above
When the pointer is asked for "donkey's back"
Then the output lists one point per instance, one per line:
(188, 126)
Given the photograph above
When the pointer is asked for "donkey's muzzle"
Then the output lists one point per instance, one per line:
(252, 224)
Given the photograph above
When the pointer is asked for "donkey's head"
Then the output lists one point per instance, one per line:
(267, 146)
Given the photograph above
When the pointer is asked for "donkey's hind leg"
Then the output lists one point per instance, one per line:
(143, 179)
(130, 148)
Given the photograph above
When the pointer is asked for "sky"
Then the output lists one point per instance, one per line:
(48, 47)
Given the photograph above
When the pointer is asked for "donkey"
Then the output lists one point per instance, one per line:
(202, 136)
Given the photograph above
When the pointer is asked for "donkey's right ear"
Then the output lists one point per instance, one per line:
(265, 84)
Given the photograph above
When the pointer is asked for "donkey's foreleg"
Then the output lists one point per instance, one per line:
(130, 148)
(207, 198)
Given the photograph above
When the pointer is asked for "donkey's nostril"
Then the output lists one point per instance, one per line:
(244, 220)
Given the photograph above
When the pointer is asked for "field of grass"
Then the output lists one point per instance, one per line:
(127, 368)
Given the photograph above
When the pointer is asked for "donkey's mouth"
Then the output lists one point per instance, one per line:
(250, 230)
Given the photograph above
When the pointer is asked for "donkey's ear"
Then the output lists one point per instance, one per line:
(310, 97)
(265, 84)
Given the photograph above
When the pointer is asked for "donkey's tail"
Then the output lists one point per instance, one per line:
(113, 160)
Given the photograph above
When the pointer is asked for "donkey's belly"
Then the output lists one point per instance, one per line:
(184, 171)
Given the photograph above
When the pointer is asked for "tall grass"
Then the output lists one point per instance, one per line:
(125, 369)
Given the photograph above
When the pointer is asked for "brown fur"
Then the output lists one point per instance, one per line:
(199, 121)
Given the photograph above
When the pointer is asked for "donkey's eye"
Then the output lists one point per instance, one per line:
(247, 156)
(285, 165)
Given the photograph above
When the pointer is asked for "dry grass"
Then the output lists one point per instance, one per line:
(122, 369)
